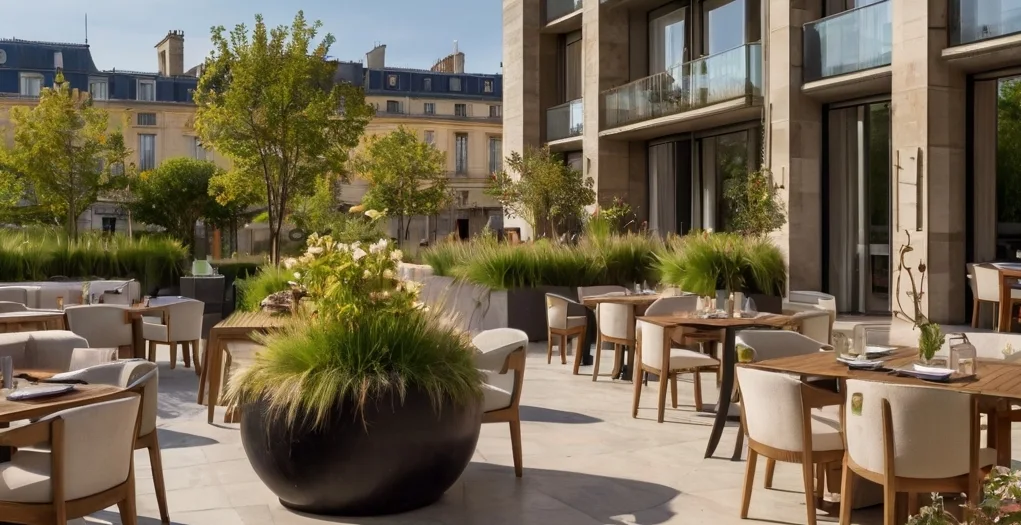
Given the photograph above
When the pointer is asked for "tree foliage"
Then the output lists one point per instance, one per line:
(176, 195)
(1008, 155)
(754, 206)
(64, 150)
(405, 176)
(267, 101)
(546, 193)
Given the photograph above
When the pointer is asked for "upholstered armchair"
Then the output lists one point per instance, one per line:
(181, 322)
(102, 325)
(11, 306)
(657, 355)
(502, 359)
(54, 350)
(564, 327)
(615, 324)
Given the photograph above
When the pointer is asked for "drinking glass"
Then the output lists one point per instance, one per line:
(749, 308)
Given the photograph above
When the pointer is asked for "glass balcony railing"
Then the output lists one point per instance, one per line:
(559, 8)
(855, 40)
(709, 80)
(565, 120)
(977, 20)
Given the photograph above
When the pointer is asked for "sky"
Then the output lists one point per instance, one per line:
(123, 33)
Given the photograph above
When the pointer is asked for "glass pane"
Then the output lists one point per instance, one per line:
(851, 41)
(731, 161)
(976, 20)
(724, 25)
(667, 43)
(1008, 169)
(572, 70)
(878, 209)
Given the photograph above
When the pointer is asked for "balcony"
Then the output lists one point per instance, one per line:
(848, 42)
(467, 115)
(557, 9)
(565, 121)
(977, 20)
(685, 87)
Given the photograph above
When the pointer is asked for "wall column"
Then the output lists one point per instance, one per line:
(794, 139)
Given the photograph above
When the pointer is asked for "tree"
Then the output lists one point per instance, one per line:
(267, 101)
(60, 146)
(753, 204)
(546, 193)
(236, 194)
(405, 177)
(176, 196)
(320, 212)
(11, 187)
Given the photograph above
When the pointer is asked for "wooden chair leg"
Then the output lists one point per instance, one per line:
(974, 313)
(579, 352)
(196, 353)
(809, 477)
(889, 503)
(846, 495)
(156, 461)
(203, 376)
(563, 349)
(661, 400)
(820, 482)
(673, 389)
(749, 480)
(549, 349)
(698, 390)
(638, 390)
(515, 432)
(128, 511)
(152, 351)
(186, 353)
(173, 355)
(770, 468)
(599, 354)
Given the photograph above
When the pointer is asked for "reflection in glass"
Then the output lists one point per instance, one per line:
(850, 41)
(723, 23)
(722, 158)
(667, 43)
(1008, 169)
(974, 20)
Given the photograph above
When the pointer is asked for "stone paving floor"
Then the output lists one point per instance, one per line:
(587, 462)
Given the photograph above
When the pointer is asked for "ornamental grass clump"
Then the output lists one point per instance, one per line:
(360, 333)
(704, 262)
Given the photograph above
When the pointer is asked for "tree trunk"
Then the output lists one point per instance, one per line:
(400, 230)
(274, 241)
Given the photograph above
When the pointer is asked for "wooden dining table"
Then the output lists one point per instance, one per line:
(47, 319)
(997, 381)
(239, 326)
(728, 355)
(1008, 273)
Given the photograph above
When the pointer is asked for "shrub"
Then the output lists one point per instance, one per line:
(704, 262)
(624, 259)
(269, 280)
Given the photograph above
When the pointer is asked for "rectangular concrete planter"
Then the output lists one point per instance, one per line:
(524, 309)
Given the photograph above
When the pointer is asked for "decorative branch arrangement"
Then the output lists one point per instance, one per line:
(931, 338)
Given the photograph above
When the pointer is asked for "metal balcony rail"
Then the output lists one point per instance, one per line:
(565, 120)
(977, 20)
(848, 42)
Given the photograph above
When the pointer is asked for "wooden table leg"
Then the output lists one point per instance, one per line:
(215, 363)
(728, 361)
(1005, 305)
(137, 341)
(1003, 437)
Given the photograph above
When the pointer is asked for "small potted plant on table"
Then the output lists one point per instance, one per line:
(931, 337)
(367, 403)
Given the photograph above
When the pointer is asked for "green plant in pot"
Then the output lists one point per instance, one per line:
(931, 337)
(368, 403)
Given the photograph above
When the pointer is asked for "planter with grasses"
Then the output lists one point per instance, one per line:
(367, 403)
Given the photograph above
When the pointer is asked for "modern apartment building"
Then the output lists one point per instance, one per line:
(460, 113)
(874, 118)
(154, 110)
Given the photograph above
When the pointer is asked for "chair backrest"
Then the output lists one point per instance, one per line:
(47, 295)
(917, 415)
(817, 325)
(47, 349)
(616, 320)
(131, 374)
(772, 408)
(589, 291)
(971, 279)
(772, 344)
(184, 320)
(98, 445)
(556, 311)
(819, 300)
(103, 325)
(672, 305)
(86, 357)
(495, 345)
(654, 343)
(14, 294)
(11, 306)
(987, 283)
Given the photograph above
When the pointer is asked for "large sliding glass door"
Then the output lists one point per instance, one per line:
(859, 211)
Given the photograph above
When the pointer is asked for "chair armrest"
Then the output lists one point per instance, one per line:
(515, 361)
(816, 397)
(26, 436)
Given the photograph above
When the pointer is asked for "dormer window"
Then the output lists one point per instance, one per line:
(487, 86)
(99, 88)
(147, 90)
(455, 83)
(31, 84)
(391, 81)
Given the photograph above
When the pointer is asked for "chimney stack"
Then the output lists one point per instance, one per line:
(170, 52)
(376, 59)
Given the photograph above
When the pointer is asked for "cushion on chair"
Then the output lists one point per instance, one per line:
(26, 478)
(497, 389)
(575, 321)
(826, 429)
(154, 332)
(495, 345)
(683, 359)
(86, 357)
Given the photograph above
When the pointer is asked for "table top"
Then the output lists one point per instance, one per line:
(993, 378)
(634, 299)
(35, 374)
(693, 319)
(11, 411)
(40, 315)
(248, 321)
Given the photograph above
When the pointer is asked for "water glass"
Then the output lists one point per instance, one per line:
(749, 307)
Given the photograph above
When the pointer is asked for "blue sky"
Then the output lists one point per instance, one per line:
(122, 33)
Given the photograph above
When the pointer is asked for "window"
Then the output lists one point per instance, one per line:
(147, 90)
(429, 108)
(455, 83)
(99, 89)
(667, 38)
(723, 23)
(146, 152)
(460, 110)
(572, 67)
(427, 84)
(461, 198)
(109, 224)
(146, 119)
(393, 106)
(391, 81)
(198, 150)
(495, 154)
(495, 111)
(487, 86)
(430, 137)
(461, 153)
(31, 84)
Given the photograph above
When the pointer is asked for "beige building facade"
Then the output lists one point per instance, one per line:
(876, 119)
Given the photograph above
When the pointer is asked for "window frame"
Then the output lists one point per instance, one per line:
(496, 111)
(138, 119)
(427, 84)
(22, 77)
(393, 107)
(429, 137)
(461, 153)
(105, 82)
(138, 89)
(144, 162)
(452, 81)
(495, 153)
(429, 108)
(463, 110)
(487, 86)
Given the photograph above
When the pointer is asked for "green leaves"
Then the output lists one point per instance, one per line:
(753, 203)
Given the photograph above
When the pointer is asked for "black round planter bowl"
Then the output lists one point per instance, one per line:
(400, 458)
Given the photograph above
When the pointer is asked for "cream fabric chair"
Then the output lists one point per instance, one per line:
(502, 359)
(102, 325)
(51, 350)
(673, 304)
(11, 306)
(88, 466)
(986, 289)
(911, 439)
(615, 324)
(48, 295)
(564, 326)
(656, 355)
(590, 291)
(14, 294)
(142, 377)
(181, 323)
(815, 324)
(782, 419)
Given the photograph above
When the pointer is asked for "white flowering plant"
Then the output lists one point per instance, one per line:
(1001, 503)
